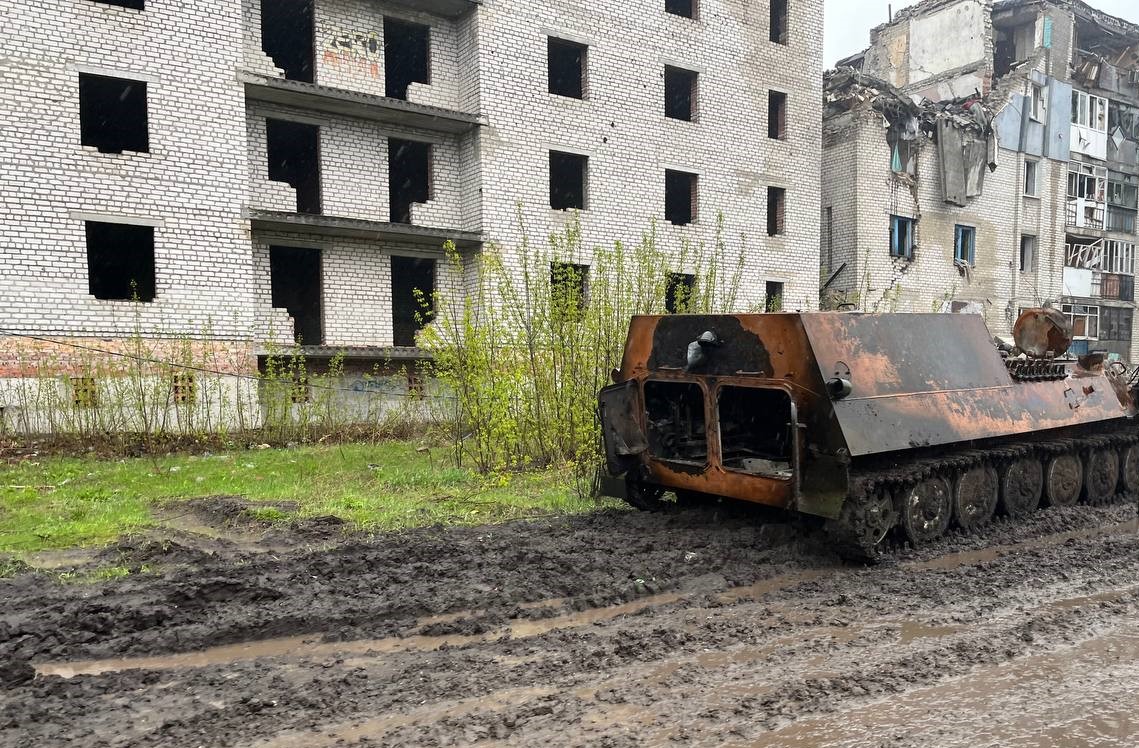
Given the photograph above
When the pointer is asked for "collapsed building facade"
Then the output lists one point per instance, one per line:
(984, 157)
(289, 171)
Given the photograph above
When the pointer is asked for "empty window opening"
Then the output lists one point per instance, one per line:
(567, 68)
(773, 297)
(679, 197)
(295, 280)
(679, 292)
(112, 114)
(407, 56)
(132, 4)
(183, 388)
(120, 261)
(1013, 43)
(680, 90)
(686, 8)
(569, 290)
(409, 177)
(903, 152)
(965, 245)
(1116, 324)
(569, 177)
(1031, 169)
(288, 36)
(413, 298)
(776, 115)
(1027, 254)
(902, 237)
(776, 210)
(294, 157)
(84, 392)
(779, 21)
(756, 428)
(676, 424)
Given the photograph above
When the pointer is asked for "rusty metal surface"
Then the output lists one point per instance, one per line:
(1042, 333)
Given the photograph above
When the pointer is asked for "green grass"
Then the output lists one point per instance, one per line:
(56, 502)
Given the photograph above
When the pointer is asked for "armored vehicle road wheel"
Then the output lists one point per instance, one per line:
(926, 509)
(1101, 475)
(644, 496)
(1130, 468)
(1022, 482)
(975, 497)
(1063, 479)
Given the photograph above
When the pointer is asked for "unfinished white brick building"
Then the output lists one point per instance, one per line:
(263, 172)
(982, 158)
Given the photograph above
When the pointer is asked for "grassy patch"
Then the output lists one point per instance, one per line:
(64, 502)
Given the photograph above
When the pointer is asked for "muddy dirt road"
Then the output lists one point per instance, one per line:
(617, 629)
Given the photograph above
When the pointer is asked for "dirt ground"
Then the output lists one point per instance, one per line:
(614, 629)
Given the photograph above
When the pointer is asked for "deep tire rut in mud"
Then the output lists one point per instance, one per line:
(616, 629)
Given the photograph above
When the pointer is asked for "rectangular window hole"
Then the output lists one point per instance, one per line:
(773, 297)
(288, 36)
(776, 115)
(756, 428)
(295, 282)
(676, 426)
(294, 157)
(678, 293)
(413, 297)
(965, 244)
(569, 290)
(567, 63)
(568, 180)
(120, 261)
(778, 27)
(680, 197)
(1027, 254)
(407, 56)
(902, 237)
(409, 177)
(680, 93)
(132, 4)
(685, 8)
(776, 210)
(112, 114)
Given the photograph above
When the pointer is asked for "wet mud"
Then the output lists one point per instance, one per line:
(615, 629)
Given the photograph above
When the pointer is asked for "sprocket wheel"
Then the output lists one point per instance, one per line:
(1022, 483)
(863, 525)
(1101, 475)
(1063, 479)
(926, 510)
(1130, 469)
(975, 497)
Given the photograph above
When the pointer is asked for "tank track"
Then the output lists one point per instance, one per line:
(855, 533)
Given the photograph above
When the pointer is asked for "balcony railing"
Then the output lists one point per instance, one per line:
(1085, 215)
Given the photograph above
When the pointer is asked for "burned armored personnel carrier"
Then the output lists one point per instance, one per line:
(878, 423)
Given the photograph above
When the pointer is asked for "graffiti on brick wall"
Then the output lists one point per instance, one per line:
(355, 51)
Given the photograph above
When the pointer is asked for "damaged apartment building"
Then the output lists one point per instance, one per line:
(981, 157)
(247, 175)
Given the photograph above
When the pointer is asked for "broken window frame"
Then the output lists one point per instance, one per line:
(1038, 102)
(1116, 324)
(776, 211)
(686, 8)
(1084, 319)
(693, 181)
(779, 21)
(902, 237)
(1031, 178)
(97, 109)
(1089, 110)
(676, 79)
(561, 198)
(556, 45)
(1028, 253)
(776, 115)
(112, 251)
(965, 244)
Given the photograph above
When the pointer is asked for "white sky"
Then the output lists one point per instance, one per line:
(848, 22)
